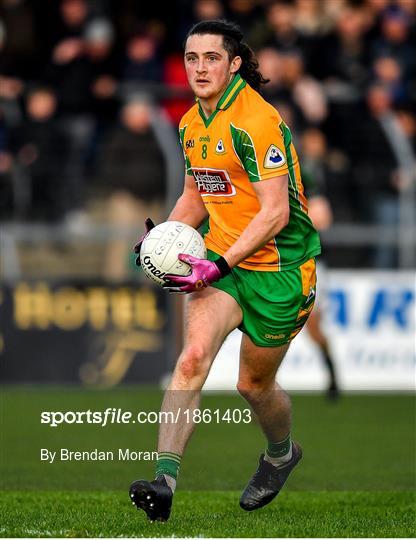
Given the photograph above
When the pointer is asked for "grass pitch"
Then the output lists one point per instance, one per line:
(212, 514)
(355, 480)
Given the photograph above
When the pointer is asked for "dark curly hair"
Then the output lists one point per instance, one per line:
(235, 46)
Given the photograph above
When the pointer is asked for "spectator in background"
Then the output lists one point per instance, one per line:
(344, 70)
(133, 174)
(315, 177)
(313, 24)
(16, 50)
(377, 6)
(333, 8)
(373, 10)
(343, 57)
(11, 83)
(277, 29)
(271, 66)
(388, 72)
(195, 11)
(142, 64)
(372, 153)
(68, 67)
(311, 18)
(245, 13)
(69, 71)
(307, 93)
(292, 85)
(407, 121)
(104, 85)
(377, 153)
(314, 167)
(324, 169)
(11, 88)
(40, 148)
(19, 40)
(205, 10)
(407, 7)
(395, 39)
(6, 164)
(104, 66)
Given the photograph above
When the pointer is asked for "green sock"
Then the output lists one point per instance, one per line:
(279, 449)
(168, 464)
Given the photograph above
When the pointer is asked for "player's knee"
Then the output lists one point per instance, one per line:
(252, 388)
(192, 363)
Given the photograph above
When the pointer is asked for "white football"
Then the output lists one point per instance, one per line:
(161, 247)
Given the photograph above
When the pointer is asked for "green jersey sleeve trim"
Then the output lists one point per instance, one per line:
(287, 138)
(182, 141)
(244, 148)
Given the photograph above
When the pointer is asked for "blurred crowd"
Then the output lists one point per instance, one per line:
(91, 92)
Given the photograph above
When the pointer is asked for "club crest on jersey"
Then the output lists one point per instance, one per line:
(219, 149)
(274, 158)
(213, 182)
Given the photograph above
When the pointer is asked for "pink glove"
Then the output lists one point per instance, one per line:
(204, 273)
(149, 225)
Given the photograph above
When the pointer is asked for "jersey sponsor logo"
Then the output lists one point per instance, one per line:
(274, 158)
(220, 149)
(190, 143)
(213, 182)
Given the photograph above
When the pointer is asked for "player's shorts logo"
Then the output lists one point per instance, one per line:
(275, 336)
(274, 158)
(213, 182)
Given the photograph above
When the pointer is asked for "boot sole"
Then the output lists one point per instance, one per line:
(144, 497)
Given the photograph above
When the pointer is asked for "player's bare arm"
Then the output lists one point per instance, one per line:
(189, 208)
(272, 217)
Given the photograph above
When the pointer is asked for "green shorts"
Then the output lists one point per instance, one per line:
(275, 305)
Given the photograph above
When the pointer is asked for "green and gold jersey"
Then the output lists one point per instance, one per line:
(245, 141)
